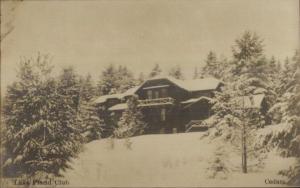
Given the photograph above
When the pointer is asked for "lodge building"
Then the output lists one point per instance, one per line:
(168, 104)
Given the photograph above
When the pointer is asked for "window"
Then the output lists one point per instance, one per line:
(149, 93)
(156, 94)
(163, 114)
(164, 92)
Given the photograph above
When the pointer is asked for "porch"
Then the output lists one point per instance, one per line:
(145, 103)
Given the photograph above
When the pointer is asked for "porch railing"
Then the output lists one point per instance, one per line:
(158, 101)
(192, 123)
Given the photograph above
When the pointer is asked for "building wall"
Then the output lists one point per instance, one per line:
(173, 91)
(166, 118)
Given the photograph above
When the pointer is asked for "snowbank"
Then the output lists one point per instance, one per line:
(162, 160)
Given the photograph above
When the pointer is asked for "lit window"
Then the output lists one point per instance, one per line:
(163, 114)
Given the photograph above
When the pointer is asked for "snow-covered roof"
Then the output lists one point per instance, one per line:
(201, 84)
(121, 106)
(192, 85)
(103, 98)
(155, 87)
(253, 101)
(193, 100)
(131, 91)
(189, 85)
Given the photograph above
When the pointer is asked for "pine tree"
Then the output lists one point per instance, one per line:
(125, 79)
(131, 123)
(109, 121)
(88, 117)
(176, 72)
(115, 80)
(69, 86)
(141, 78)
(272, 68)
(287, 73)
(247, 78)
(91, 124)
(156, 71)
(213, 67)
(234, 122)
(250, 71)
(286, 112)
(247, 47)
(107, 82)
(87, 89)
(41, 130)
(196, 73)
(274, 72)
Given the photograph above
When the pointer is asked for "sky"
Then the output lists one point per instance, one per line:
(89, 35)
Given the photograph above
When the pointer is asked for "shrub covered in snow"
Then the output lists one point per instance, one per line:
(131, 123)
(218, 165)
(91, 124)
(281, 136)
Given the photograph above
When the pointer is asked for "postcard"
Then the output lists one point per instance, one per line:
(146, 93)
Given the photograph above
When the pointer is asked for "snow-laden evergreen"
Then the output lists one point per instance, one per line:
(115, 80)
(156, 71)
(131, 122)
(90, 122)
(176, 72)
(213, 67)
(41, 132)
(246, 77)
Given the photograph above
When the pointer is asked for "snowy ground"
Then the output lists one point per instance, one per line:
(163, 160)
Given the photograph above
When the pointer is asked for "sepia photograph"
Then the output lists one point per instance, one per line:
(150, 93)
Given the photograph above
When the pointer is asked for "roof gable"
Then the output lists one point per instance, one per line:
(190, 85)
(201, 84)
(187, 85)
